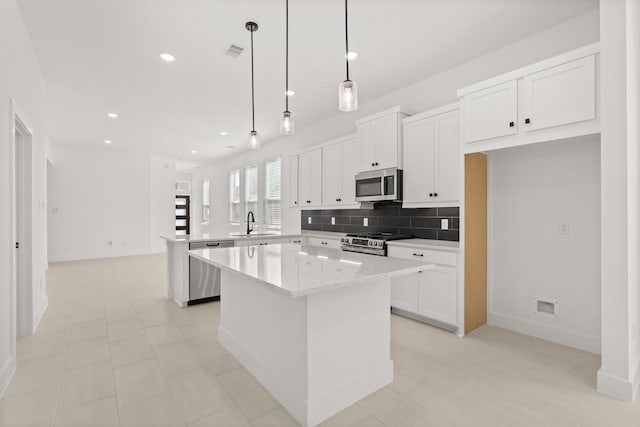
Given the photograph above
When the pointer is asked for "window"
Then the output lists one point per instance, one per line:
(182, 215)
(205, 201)
(272, 202)
(251, 189)
(234, 196)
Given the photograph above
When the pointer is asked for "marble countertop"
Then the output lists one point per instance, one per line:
(440, 245)
(299, 270)
(226, 236)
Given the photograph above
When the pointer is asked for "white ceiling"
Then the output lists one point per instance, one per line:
(101, 56)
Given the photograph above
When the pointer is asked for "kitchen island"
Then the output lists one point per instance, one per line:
(311, 324)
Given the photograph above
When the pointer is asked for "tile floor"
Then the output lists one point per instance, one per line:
(111, 351)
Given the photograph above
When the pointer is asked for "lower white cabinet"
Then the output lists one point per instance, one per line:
(431, 293)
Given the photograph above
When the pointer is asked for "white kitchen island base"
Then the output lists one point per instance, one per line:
(316, 354)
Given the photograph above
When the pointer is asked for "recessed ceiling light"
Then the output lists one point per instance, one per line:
(352, 55)
(223, 133)
(194, 151)
(167, 57)
(231, 147)
(112, 115)
(107, 141)
(290, 92)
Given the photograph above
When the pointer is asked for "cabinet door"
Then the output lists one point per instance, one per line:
(305, 182)
(418, 161)
(350, 163)
(405, 292)
(293, 182)
(560, 95)
(367, 143)
(316, 178)
(332, 166)
(491, 112)
(446, 159)
(438, 294)
(386, 132)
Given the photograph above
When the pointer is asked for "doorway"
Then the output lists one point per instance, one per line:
(22, 219)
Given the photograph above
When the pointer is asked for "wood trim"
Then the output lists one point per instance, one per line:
(475, 241)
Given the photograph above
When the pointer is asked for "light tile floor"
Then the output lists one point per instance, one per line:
(111, 351)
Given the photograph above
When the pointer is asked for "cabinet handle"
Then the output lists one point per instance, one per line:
(430, 194)
(419, 271)
(373, 164)
(376, 163)
(415, 254)
(297, 241)
(263, 243)
(323, 243)
(295, 203)
(511, 124)
(213, 244)
(527, 121)
(435, 194)
(339, 200)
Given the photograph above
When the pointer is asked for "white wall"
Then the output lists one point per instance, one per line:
(424, 95)
(532, 190)
(20, 79)
(162, 179)
(100, 196)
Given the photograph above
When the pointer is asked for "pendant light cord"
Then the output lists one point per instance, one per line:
(346, 33)
(253, 110)
(286, 83)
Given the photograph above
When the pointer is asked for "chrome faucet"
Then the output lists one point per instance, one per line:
(249, 222)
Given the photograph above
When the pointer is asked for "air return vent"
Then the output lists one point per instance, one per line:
(233, 50)
(546, 307)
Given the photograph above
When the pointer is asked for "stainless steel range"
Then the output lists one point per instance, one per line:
(370, 243)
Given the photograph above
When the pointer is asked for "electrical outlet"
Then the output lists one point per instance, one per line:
(333, 220)
(365, 222)
(564, 227)
(308, 220)
(444, 223)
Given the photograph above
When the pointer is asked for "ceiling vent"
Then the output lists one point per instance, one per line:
(233, 50)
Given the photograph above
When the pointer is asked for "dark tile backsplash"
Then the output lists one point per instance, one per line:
(423, 223)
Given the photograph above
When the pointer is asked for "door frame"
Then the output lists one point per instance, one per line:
(21, 294)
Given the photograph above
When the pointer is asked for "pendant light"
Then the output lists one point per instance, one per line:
(286, 121)
(254, 139)
(348, 90)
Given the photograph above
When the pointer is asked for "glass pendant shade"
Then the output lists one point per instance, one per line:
(348, 95)
(286, 124)
(254, 140)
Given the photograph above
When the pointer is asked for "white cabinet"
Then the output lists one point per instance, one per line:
(340, 165)
(553, 99)
(310, 179)
(432, 158)
(560, 95)
(380, 140)
(431, 294)
(293, 182)
(491, 112)
(323, 242)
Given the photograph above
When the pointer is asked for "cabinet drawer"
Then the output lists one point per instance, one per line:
(426, 255)
(323, 243)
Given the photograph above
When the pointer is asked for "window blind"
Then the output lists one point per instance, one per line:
(234, 195)
(272, 196)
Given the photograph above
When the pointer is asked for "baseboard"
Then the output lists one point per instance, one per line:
(572, 339)
(38, 315)
(6, 373)
(615, 386)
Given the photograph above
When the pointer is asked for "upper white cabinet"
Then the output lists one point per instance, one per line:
(560, 95)
(310, 178)
(380, 140)
(491, 112)
(432, 158)
(340, 165)
(293, 181)
(552, 99)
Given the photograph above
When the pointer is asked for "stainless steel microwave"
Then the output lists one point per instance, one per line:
(379, 185)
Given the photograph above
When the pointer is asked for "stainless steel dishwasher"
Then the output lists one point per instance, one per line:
(204, 279)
